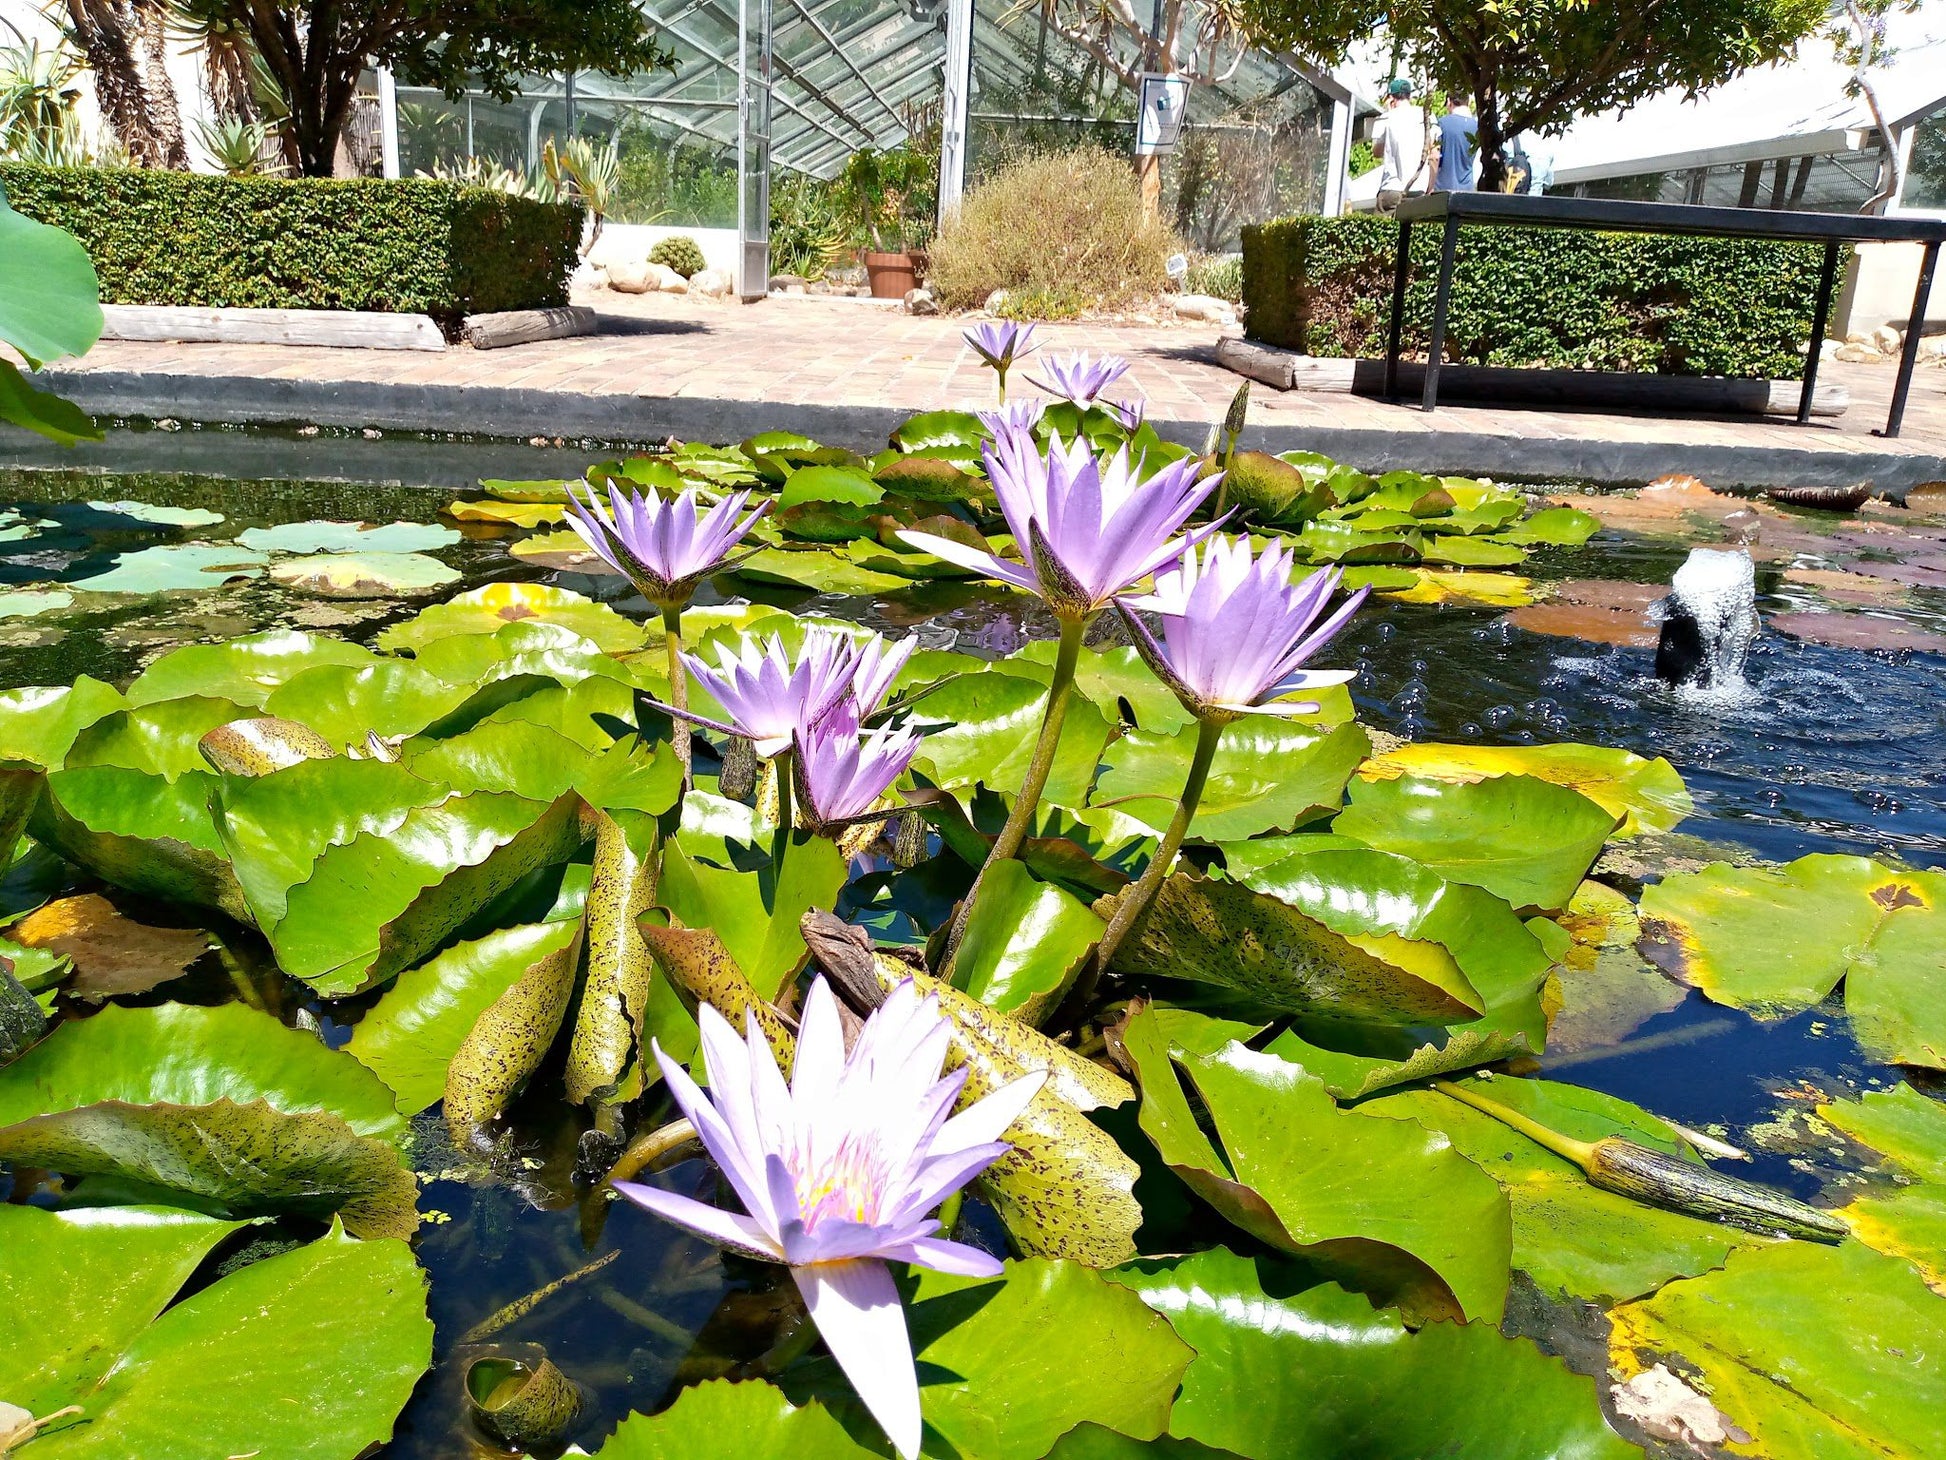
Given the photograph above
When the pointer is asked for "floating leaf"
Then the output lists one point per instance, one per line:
(1774, 940)
(327, 1340)
(32, 602)
(1025, 942)
(1520, 838)
(141, 832)
(112, 954)
(818, 569)
(1428, 585)
(410, 1037)
(981, 730)
(1222, 933)
(508, 514)
(1269, 775)
(163, 739)
(246, 670)
(1819, 1352)
(261, 744)
(1554, 527)
(1571, 1237)
(1356, 1192)
(388, 698)
(1907, 1221)
(750, 1418)
(38, 725)
(349, 537)
(1321, 1373)
(1604, 990)
(175, 567)
(163, 516)
(364, 575)
(612, 1032)
(1648, 795)
(984, 1392)
(565, 550)
(756, 913)
(490, 609)
(829, 484)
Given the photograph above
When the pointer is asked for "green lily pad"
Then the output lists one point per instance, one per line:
(387, 698)
(166, 516)
(409, 1038)
(983, 1391)
(163, 739)
(980, 729)
(38, 723)
(142, 832)
(364, 575)
(1117, 681)
(1554, 527)
(247, 670)
(1222, 933)
(223, 1106)
(490, 609)
(1603, 989)
(311, 538)
(751, 1418)
(756, 913)
(829, 484)
(1774, 940)
(1820, 1353)
(1269, 775)
(1319, 1373)
(42, 411)
(31, 602)
(1572, 1238)
(1025, 943)
(1470, 552)
(1648, 795)
(1522, 839)
(1907, 1221)
(1379, 1197)
(327, 1340)
(50, 306)
(176, 568)
(818, 569)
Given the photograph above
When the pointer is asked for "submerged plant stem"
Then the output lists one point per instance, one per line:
(521, 1307)
(646, 1150)
(1008, 843)
(678, 685)
(1136, 900)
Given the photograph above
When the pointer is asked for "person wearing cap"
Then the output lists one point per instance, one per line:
(1402, 146)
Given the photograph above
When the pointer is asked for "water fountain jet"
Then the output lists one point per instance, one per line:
(1708, 621)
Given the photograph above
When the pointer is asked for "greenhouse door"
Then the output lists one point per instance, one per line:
(753, 146)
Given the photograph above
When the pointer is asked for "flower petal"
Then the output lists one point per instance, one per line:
(943, 1256)
(856, 1308)
(988, 1120)
(972, 559)
(730, 1229)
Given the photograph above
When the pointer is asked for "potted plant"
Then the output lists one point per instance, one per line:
(889, 199)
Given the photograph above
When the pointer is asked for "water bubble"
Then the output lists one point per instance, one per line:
(1499, 717)
(1469, 731)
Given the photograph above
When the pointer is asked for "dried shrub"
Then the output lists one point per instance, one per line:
(1064, 226)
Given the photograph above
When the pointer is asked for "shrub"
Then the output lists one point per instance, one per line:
(679, 252)
(1529, 296)
(1067, 225)
(1220, 275)
(306, 243)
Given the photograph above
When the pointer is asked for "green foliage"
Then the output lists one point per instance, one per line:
(1222, 276)
(1363, 158)
(809, 235)
(275, 243)
(1537, 65)
(674, 182)
(1604, 301)
(1067, 227)
(48, 309)
(681, 253)
(890, 198)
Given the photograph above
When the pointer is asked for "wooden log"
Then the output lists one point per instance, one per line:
(1497, 385)
(349, 328)
(527, 326)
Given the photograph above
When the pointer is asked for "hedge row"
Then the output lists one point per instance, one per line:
(415, 247)
(1555, 297)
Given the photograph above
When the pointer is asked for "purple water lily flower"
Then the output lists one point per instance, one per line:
(1236, 632)
(839, 1170)
(1001, 342)
(1078, 376)
(771, 695)
(664, 547)
(1088, 529)
(842, 774)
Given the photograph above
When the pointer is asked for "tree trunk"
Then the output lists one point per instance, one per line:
(105, 34)
(164, 116)
(1489, 145)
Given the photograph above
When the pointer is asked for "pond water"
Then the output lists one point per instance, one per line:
(1831, 749)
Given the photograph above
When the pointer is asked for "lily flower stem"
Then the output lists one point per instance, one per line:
(1014, 832)
(1001, 371)
(1137, 899)
(786, 805)
(678, 685)
(1582, 1153)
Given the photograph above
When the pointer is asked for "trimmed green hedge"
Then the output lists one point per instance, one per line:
(414, 247)
(1530, 296)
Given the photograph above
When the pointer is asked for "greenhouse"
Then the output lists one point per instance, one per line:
(764, 91)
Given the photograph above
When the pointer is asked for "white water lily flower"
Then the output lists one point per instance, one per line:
(839, 1170)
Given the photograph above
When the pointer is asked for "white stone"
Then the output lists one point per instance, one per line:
(713, 282)
(1201, 306)
(665, 280)
(920, 301)
(1887, 339)
(996, 301)
(1933, 349)
(626, 277)
(1829, 348)
(1856, 354)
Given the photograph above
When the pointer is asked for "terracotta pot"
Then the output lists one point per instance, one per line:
(891, 274)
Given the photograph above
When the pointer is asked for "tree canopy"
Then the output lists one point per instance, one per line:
(1536, 65)
(316, 49)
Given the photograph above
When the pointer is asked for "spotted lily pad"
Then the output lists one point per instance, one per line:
(364, 575)
(328, 1340)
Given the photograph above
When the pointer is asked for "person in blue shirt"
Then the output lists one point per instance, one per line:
(1456, 133)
